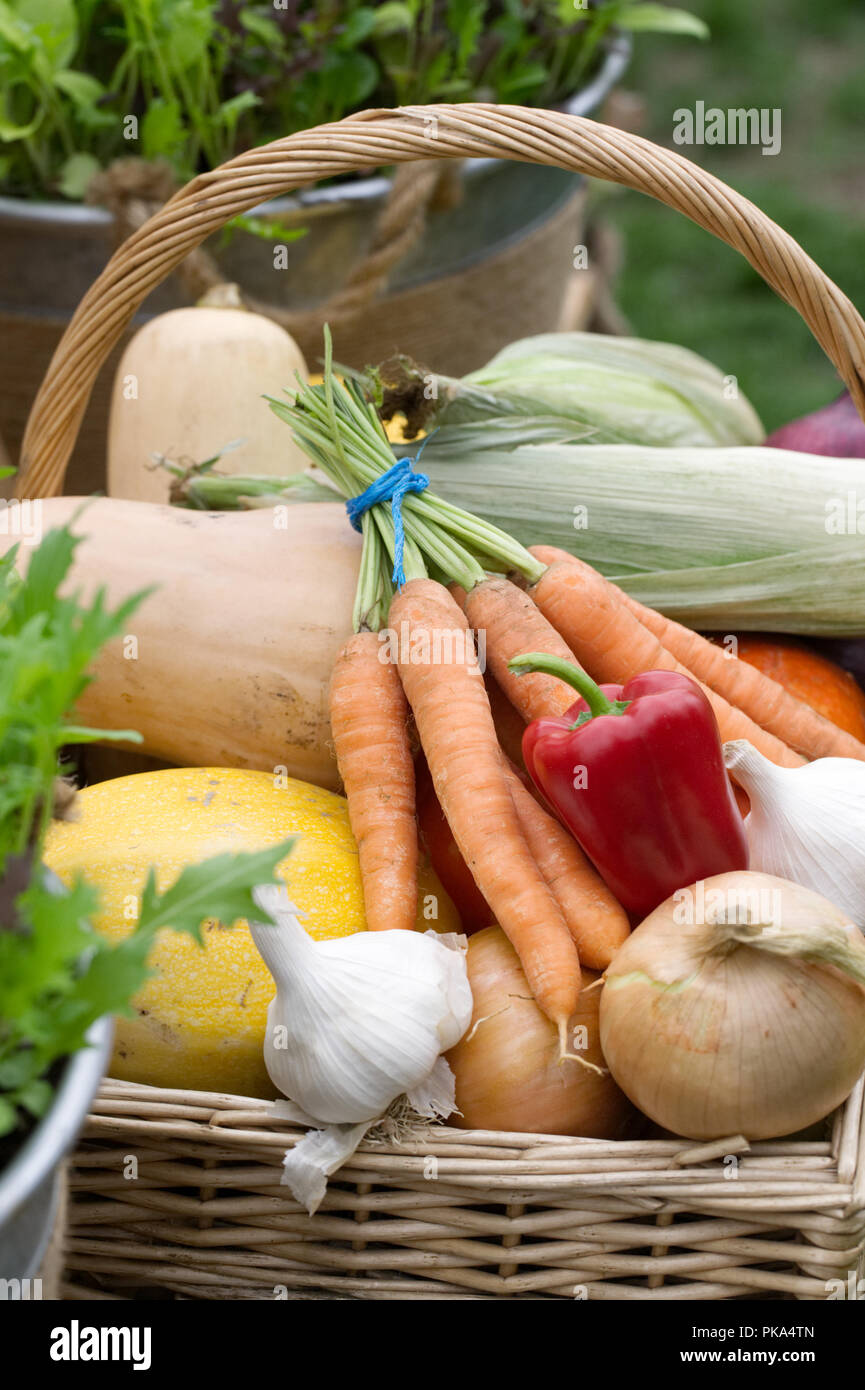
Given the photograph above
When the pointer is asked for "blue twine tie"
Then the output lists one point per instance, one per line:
(392, 486)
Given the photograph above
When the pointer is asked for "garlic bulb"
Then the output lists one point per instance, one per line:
(806, 824)
(359, 1020)
(737, 1007)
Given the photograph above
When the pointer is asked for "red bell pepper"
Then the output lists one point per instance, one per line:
(637, 774)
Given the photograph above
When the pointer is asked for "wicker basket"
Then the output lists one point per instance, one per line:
(180, 1189)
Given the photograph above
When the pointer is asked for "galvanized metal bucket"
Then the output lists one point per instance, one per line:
(29, 1184)
(51, 252)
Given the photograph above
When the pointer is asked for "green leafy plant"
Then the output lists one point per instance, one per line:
(57, 976)
(83, 82)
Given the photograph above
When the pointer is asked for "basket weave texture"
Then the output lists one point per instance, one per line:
(181, 1189)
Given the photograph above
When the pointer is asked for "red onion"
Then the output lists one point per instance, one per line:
(836, 431)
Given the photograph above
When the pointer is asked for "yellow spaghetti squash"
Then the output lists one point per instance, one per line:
(199, 1021)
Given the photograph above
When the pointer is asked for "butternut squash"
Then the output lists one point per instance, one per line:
(227, 664)
(190, 382)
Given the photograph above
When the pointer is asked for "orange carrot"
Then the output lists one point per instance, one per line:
(755, 694)
(598, 924)
(512, 624)
(613, 645)
(549, 554)
(446, 692)
(369, 719)
(509, 726)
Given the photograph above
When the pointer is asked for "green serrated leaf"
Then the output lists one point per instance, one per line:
(660, 19)
(47, 645)
(265, 229)
(185, 29)
(35, 1096)
(262, 27)
(393, 18)
(350, 77)
(465, 19)
(56, 976)
(11, 131)
(49, 566)
(83, 89)
(76, 174)
(14, 30)
(231, 111)
(219, 887)
(162, 130)
(54, 23)
(358, 26)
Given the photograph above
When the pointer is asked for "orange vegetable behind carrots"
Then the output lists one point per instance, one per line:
(812, 678)
(754, 687)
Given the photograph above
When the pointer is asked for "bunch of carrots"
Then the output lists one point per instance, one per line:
(544, 893)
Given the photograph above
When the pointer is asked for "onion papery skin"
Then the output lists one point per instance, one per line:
(744, 1042)
(507, 1069)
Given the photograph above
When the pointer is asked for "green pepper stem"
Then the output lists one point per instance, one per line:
(569, 673)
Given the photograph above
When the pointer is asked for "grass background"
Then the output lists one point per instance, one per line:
(680, 284)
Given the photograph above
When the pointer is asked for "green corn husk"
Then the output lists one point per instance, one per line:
(724, 538)
(816, 593)
(627, 508)
(750, 538)
(606, 390)
(716, 538)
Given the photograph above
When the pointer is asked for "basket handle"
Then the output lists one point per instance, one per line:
(380, 137)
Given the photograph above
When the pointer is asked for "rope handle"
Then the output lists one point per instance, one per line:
(134, 189)
(379, 137)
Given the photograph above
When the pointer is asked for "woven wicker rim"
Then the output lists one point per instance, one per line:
(450, 1213)
(380, 137)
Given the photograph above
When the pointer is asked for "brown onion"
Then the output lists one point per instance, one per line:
(749, 1018)
(507, 1068)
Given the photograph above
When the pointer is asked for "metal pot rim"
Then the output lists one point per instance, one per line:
(87, 218)
(56, 1132)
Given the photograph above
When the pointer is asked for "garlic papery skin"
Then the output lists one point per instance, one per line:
(806, 824)
(359, 1020)
(737, 1007)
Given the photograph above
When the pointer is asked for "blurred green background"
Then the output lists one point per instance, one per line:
(678, 283)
